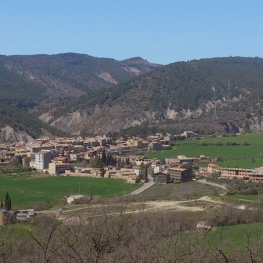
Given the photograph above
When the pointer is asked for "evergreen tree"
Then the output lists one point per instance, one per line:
(96, 163)
(1, 203)
(9, 204)
(109, 159)
(7, 201)
(122, 163)
(127, 160)
(146, 174)
(113, 161)
(142, 170)
(103, 157)
(6, 198)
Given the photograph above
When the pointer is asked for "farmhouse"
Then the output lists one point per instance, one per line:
(203, 158)
(158, 145)
(133, 178)
(58, 167)
(161, 177)
(213, 168)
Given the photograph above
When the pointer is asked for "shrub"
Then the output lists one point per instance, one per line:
(245, 143)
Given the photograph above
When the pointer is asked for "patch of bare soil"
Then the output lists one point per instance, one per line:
(200, 204)
(197, 205)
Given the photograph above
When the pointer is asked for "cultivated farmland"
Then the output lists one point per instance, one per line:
(26, 190)
(245, 151)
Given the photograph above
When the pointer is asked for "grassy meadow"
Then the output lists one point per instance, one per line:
(244, 151)
(25, 190)
(235, 236)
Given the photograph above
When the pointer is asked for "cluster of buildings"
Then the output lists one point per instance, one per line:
(10, 216)
(254, 175)
(58, 155)
(55, 155)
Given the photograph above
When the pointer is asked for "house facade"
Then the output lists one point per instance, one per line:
(181, 174)
(161, 177)
(42, 160)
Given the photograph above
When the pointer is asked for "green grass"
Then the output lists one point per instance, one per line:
(249, 156)
(16, 229)
(26, 191)
(235, 236)
(253, 198)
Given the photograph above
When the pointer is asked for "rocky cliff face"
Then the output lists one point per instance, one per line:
(9, 134)
(116, 118)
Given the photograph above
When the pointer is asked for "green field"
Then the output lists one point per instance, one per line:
(243, 197)
(242, 156)
(25, 191)
(236, 235)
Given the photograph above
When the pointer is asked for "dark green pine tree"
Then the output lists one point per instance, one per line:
(146, 174)
(122, 163)
(6, 198)
(9, 204)
(113, 161)
(103, 157)
(7, 201)
(109, 159)
(1, 204)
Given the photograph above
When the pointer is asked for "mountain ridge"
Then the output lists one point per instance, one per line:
(81, 94)
(29, 83)
(68, 75)
(178, 92)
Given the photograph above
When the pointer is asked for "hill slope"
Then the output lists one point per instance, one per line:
(29, 83)
(22, 125)
(171, 94)
(69, 75)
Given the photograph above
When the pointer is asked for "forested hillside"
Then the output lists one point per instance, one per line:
(34, 82)
(68, 75)
(81, 94)
(176, 92)
(21, 120)
(16, 90)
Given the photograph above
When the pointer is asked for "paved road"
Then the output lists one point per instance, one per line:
(144, 187)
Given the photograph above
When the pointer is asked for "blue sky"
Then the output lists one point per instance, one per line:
(161, 31)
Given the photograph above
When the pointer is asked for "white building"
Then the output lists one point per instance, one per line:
(42, 159)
